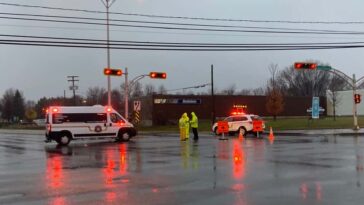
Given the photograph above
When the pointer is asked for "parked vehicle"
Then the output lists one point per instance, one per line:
(64, 124)
(239, 123)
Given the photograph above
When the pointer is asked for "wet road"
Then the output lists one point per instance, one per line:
(162, 170)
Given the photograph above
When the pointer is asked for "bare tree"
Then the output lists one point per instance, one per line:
(95, 95)
(244, 92)
(293, 82)
(162, 90)
(136, 90)
(275, 103)
(117, 100)
(273, 69)
(258, 91)
(229, 90)
(149, 89)
(190, 92)
(336, 84)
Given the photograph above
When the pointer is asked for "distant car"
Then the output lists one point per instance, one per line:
(239, 123)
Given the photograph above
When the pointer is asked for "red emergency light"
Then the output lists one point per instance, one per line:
(108, 109)
(238, 109)
(237, 113)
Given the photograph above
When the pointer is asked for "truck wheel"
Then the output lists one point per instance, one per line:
(124, 135)
(64, 138)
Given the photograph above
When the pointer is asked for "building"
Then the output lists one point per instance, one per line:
(167, 109)
(344, 104)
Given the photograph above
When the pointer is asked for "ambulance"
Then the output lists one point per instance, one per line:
(66, 123)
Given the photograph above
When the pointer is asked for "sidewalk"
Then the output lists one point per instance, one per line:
(340, 132)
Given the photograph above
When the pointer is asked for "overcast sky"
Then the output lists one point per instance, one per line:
(42, 71)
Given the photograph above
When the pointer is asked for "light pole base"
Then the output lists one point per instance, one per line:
(356, 127)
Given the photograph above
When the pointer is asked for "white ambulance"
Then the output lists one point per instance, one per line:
(66, 123)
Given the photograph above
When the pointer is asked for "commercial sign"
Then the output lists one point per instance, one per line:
(315, 107)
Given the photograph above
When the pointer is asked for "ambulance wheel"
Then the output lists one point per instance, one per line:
(64, 139)
(124, 136)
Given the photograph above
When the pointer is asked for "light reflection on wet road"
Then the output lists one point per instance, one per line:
(163, 170)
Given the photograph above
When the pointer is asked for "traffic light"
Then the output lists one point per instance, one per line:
(158, 75)
(116, 72)
(311, 66)
(357, 98)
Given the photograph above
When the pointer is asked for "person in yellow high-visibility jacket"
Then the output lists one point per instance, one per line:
(187, 127)
(182, 128)
(194, 125)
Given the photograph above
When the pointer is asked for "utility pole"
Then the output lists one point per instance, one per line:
(126, 94)
(108, 4)
(73, 87)
(212, 96)
(64, 97)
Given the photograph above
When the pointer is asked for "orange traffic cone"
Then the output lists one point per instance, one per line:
(240, 135)
(271, 135)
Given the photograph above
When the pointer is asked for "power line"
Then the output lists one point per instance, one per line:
(191, 87)
(189, 29)
(282, 48)
(178, 33)
(172, 43)
(168, 23)
(185, 17)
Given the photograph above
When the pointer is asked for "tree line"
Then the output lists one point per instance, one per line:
(286, 82)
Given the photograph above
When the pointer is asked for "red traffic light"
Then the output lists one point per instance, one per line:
(357, 98)
(116, 72)
(158, 75)
(310, 66)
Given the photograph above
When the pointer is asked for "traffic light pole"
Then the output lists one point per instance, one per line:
(355, 113)
(126, 94)
(353, 83)
(212, 96)
(128, 85)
